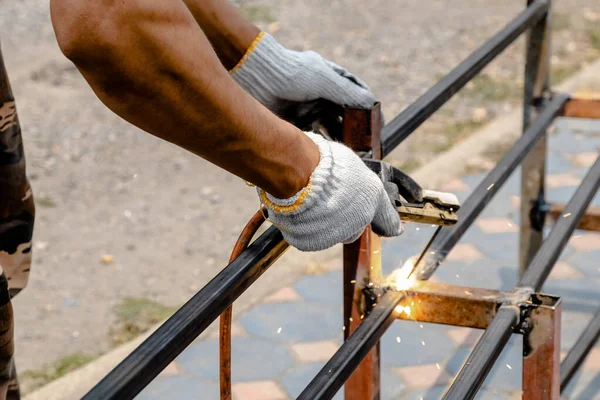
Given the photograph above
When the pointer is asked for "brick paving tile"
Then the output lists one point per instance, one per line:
(299, 321)
(560, 180)
(260, 390)
(455, 185)
(324, 288)
(585, 242)
(422, 376)
(282, 295)
(515, 200)
(464, 252)
(314, 351)
(236, 330)
(170, 370)
(465, 336)
(584, 159)
(497, 225)
(587, 262)
(562, 270)
(592, 362)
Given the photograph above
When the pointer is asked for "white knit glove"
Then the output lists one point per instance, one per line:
(280, 78)
(341, 199)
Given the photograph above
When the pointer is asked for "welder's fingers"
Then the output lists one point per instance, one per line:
(407, 186)
(386, 221)
(354, 238)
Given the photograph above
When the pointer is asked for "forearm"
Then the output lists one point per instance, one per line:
(229, 32)
(150, 63)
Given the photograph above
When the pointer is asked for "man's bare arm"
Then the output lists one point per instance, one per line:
(229, 32)
(150, 63)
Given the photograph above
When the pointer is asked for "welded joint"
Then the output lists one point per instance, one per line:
(465, 306)
(539, 210)
(529, 317)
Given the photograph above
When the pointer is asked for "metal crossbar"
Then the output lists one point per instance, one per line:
(371, 305)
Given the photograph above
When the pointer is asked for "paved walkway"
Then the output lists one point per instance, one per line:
(280, 344)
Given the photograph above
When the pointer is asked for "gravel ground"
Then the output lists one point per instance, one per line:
(169, 219)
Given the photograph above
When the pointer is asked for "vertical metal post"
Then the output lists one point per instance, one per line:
(362, 259)
(541, 351)
(534, 166)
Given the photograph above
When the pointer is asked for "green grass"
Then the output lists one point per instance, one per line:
(562, 72)
(560, 21)
(408, 165)
(455, 131)
(496, 152)
(485, 88)
(257, 13)
(135, 316)
(593, 33)
(493, 154)
(39, 377)
(45, 200)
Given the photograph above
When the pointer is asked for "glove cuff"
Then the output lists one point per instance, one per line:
(308, 194)
(248, 52)
(264, 69)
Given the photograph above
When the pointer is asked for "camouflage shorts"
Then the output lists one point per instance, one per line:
(17, 209)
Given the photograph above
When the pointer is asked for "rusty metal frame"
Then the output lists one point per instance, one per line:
(371, 305)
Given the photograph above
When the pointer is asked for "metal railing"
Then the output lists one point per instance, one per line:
(369, 309)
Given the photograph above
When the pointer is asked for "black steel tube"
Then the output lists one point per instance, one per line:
(167, 342)
(481, 360)
(488, 188)
(415, 114)
(541, 265)
(339, 368)
(577, 354)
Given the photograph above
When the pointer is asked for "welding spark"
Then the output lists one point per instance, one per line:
(279, 330)
(399, 279)
(421, 325)
(402, 309)
(353, 281)
(398, 339)
(417, 228)
(508, 366)
(375, 251)
(343, 328)
(351, 320)
(567, 215)
(509, 224)
(457, 276)
(491, 186)
(437, 365)
(422, 342)
(362, 316)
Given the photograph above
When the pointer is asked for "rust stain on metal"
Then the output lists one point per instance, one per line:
(541, 353)
(452, 305)
(589, 222)
(225, 320)
(583, 107)
(362, 260)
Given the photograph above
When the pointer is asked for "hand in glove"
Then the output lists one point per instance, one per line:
(284, 80)
(342, 197)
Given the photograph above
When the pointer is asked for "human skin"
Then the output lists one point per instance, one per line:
(151, 63)
(225, 27)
